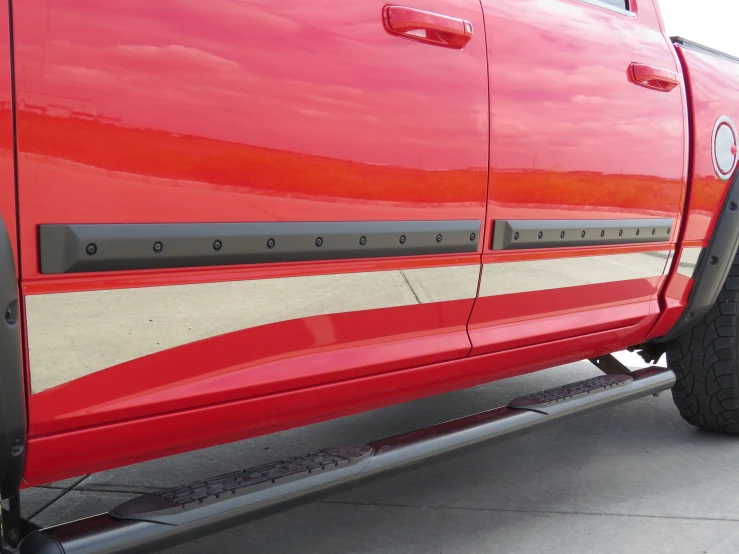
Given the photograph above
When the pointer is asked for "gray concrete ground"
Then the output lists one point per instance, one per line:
(630, 479)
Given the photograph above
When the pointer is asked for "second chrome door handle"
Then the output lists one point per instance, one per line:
(428, 27)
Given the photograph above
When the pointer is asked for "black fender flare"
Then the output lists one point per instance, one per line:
(712, 266)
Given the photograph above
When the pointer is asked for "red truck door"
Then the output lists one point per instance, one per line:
(587, 170)
(229, 199)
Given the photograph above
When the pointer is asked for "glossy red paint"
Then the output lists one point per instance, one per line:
(427, 27)
(138, 111)
(164, 277)
(674, 299)
(513, 320)
(713, 86)
(96, 448)
(572, 137)
(148, 112)
(186, 112)
(329, 348)
(492, 256)
(654, 78)
(543, 316)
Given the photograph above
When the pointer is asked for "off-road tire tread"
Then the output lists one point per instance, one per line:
(705, 360)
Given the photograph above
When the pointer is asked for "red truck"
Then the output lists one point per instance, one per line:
(224, 219)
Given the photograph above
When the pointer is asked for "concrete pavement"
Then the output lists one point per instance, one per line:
(629, 479)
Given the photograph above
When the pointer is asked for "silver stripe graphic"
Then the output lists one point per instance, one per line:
(528, 276)
(688, 261)
(74, 334)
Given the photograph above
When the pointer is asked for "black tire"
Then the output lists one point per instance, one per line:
(706, 362)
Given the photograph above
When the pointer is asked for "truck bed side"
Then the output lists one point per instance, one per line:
(712, 87)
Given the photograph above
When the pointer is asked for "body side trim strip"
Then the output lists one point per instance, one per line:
(144, 321)
(109, 247)
(120, 325)
(560, 233)
(688, 261)
(529, 276)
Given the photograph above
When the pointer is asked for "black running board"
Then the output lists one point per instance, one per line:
(154, 521)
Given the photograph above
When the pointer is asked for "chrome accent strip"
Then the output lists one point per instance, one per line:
(517, 277)
(669, 260)
(561, 233)
(608, 7)
(689, 261)
(110, 247)
(74, 334)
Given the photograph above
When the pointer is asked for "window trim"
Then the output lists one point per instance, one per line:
(605, 6)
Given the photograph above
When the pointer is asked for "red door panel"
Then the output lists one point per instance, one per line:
(279, 114)
(587, 151)
(142, 112)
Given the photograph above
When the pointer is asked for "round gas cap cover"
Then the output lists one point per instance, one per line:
(724, 147)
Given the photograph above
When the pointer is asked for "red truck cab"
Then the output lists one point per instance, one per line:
(233, 218)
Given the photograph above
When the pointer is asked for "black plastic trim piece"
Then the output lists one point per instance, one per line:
(712, 266)
(12, 390)
(690, 45)
(560, 233)
(108, 247)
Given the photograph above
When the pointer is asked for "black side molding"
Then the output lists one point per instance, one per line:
(561, 233)
(12, 390)
(109, 247)
(713, 266)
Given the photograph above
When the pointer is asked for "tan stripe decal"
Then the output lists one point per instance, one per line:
(517, 277)
(71, 335)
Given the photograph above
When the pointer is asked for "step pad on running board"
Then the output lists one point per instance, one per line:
(264, 485)
(246, 481)
(566, 393)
